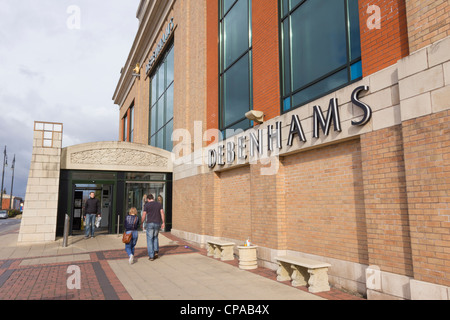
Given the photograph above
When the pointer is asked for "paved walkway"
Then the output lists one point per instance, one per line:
(183, 272)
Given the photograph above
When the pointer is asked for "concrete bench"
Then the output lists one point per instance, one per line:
(303, 271)
(221, 249)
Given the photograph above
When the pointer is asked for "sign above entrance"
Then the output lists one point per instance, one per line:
(160, 46)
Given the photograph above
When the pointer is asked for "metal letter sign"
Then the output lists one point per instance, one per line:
(160, 45)
(333, 114)
(216, 157)
(367, 110)
(296, 128)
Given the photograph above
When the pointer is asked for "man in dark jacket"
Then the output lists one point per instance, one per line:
(91, 209)
(154, 217)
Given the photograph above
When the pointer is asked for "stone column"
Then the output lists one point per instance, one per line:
(41, 199)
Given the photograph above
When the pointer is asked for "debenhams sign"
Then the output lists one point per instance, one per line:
(217, 156)
(160, 45)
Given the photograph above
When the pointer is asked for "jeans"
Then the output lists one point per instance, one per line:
(129, 247)
(90, 225)
(152, 238)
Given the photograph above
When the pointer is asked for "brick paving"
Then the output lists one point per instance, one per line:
(22, 281)
(29, 279)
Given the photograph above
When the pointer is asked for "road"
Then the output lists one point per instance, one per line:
(7, 225)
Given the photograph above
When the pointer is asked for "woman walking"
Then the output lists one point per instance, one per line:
(132, 223)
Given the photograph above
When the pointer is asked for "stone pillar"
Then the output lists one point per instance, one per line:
(41, 200)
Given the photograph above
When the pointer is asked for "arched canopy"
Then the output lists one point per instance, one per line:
(116, 156)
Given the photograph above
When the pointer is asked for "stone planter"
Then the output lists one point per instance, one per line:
(247, 257)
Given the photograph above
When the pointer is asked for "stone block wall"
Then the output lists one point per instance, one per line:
(41, 200)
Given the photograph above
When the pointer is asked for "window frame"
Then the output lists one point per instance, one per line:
(162, 97)
(131, 129)
(125, 127)
(222, 70)
(285, 16)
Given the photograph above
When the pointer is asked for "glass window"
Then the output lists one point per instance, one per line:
(236, 91)
(235, 57)
(132, 123)
(125, 128)
(139, 185)
(235, 28)
(161, 102)
(168, 130)
(321, 48)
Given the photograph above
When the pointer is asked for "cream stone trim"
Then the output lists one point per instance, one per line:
(152, 20)
(116, 156)
(418, 85)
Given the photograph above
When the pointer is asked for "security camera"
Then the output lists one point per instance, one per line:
(257, 116)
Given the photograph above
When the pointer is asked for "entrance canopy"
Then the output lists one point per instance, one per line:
(116, 156)
(120, 172)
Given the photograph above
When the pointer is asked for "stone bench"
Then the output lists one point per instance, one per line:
(221, 249)
(303, 271)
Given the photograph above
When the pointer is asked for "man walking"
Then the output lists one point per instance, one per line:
(91, 209)
(154, 217)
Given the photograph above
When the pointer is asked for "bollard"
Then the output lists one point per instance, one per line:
(66, 230)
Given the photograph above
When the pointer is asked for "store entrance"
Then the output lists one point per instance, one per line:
(118, 192)
(104, 193)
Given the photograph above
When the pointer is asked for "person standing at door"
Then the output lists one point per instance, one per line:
(131, 226)
(144, 201)
(155, 220)
(91, 209)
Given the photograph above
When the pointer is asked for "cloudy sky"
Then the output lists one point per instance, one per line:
(60, 61)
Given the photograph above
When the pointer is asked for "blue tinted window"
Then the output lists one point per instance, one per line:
(236, 92)
(356, 70)
(161, 102)
(321, 48)
(235, 60)
(235, 31)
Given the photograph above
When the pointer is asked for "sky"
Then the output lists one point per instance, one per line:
(60, 61)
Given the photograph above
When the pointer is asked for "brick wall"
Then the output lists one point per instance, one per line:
(212, 61)
(385, 201)
(325, 202)
(190, 65)
(427, 161)
(187, 204)
(236, 215)
(5, 204)
(428, 22)
(266, 68)
(381, 48)
(196, 205)
(268, 213)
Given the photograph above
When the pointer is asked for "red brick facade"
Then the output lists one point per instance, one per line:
(266, 67)
(383, 47)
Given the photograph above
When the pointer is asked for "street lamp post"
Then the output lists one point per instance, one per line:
(12, 182)
(5, 163)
